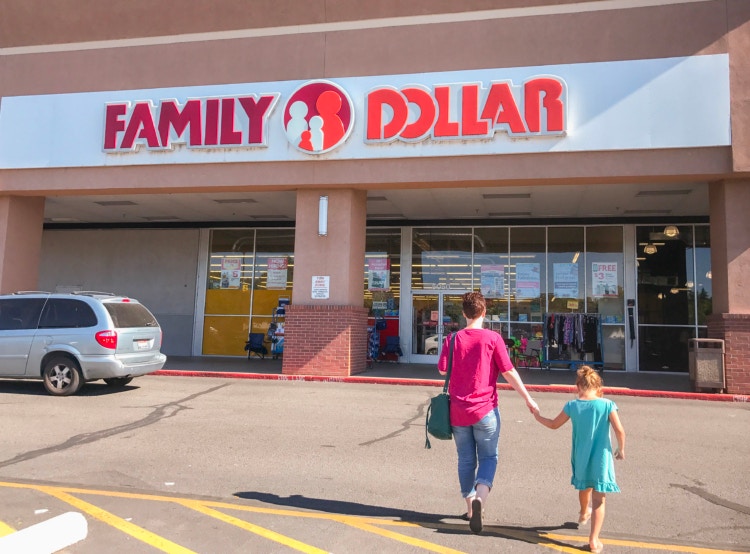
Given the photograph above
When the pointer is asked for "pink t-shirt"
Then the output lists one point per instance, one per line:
(479, 356)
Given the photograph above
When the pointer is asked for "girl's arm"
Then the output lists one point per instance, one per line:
(614, 420)
(515, 381)
(556, 423)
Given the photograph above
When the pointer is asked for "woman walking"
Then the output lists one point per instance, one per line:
(479, 355)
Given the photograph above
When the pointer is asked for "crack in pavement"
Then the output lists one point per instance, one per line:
(159, 413)
(405, 426)
(713, 499)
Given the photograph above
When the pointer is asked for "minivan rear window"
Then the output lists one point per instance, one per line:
(67, 313)
(128, 314)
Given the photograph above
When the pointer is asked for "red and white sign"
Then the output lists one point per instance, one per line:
(646, 104)
(480, 112)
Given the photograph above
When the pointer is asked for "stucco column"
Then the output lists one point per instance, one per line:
(21, 223)
(730, 272)
(328, 336)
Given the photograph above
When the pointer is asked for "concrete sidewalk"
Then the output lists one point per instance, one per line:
(673, 385)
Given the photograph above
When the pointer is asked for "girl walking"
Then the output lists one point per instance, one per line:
(591, 454)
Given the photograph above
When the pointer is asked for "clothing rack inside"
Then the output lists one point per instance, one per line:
(572, 339)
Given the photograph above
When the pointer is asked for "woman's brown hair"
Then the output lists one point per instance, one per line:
(589, 379)
(473, 304)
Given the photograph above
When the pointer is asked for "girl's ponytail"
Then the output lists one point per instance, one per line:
(588, 379)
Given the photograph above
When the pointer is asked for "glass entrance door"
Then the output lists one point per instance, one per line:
(435, 315)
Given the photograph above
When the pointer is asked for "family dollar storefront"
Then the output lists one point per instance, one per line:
(316, 176)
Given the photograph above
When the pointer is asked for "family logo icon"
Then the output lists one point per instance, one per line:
(318, 117)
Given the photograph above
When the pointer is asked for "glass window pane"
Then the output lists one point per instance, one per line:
(229, 272)
(665, 268)
(565, 280)
(274, 268)
(664, 348)
(605, 273)
(703, 276)
(491, 272)
(526, 270)
(382, 272)
(441, 258)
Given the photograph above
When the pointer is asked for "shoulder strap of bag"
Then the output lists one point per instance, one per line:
(450, 362)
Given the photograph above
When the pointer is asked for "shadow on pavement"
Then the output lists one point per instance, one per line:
(437, 522)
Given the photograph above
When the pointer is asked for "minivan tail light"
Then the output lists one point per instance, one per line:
(108, 339)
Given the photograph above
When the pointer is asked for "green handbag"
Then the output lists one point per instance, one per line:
(438, 420)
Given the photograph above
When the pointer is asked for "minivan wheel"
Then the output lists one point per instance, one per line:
(118, 381)
(62, 376)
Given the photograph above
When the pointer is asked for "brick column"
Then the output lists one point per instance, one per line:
(328, 336)
(730, 269)
(325, 340)
(735, 330)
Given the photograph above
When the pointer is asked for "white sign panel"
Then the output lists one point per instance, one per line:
(321, 287)
(621, 105)
(565, 277)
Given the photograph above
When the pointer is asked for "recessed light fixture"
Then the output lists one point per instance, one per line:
(235, 201)
(116, 203)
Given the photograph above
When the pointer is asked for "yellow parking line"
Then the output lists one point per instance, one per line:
(356, 523)
(118, 523)
(364, 523)
(6, 529)
(649, 545)
(242, 524)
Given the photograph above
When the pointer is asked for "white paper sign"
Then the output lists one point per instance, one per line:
(321, 287)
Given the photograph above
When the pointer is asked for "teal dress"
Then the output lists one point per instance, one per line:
(591, 453)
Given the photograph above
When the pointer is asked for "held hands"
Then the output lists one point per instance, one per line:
(533, 408)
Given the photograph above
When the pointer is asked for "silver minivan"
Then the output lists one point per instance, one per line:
(69, 339)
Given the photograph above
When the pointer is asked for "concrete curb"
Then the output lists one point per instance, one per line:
(712, 397)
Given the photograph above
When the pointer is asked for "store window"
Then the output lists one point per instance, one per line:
(527, 280)
(674, 293)
(492, 274)
(249, 275)
(383, 272)
(604, 272)
(441, 259)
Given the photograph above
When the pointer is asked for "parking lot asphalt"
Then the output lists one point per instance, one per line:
(644, 384)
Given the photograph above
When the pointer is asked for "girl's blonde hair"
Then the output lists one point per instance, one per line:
(589, 379)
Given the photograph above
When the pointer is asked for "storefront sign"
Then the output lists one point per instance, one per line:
(527, 280)
(276, 274)
(604, 279)
(492, 281)
(321, 287)
(378, 274)
(230, 273)
(565, 280)
(561, 108)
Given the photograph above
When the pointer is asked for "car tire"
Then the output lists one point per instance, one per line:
(118, 381)
(62, 376)
(432, 352)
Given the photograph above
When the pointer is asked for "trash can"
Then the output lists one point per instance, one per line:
(706, 361)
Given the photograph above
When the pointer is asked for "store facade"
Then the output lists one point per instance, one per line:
(578, 171)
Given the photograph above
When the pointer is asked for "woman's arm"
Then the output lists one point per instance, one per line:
(556, 423)
(614, 420)
(514, 379)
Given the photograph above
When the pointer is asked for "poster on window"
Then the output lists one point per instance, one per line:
(604, 279)
(231, 269)
(378, 274)
(276, 275)
(565, 280)
(492, 281)
(527, 280)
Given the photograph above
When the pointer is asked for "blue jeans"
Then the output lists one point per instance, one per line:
(477, 443)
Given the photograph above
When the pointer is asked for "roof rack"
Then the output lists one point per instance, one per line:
(32, 292)
(93, 293)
